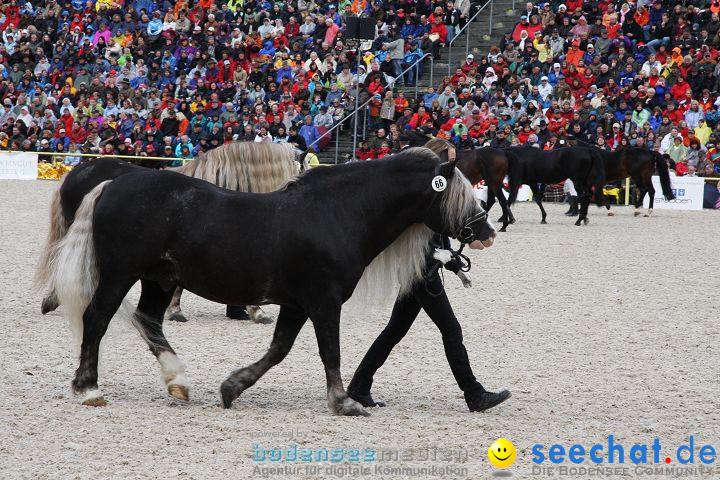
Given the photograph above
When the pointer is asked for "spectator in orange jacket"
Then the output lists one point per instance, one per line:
(575, 55)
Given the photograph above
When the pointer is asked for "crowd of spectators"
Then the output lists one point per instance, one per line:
(612, 75)
(172, 78)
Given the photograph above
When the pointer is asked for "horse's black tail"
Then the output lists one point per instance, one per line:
(514, 176)
(662, 169)
(598, 176)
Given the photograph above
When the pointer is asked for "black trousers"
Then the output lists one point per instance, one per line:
(404, 313)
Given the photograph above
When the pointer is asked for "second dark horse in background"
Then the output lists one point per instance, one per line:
(532, 166)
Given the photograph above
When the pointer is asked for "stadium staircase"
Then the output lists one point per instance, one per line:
(480, 42)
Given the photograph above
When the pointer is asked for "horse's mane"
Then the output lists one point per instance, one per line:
(438, 145)
(257, 167)
(401, 264)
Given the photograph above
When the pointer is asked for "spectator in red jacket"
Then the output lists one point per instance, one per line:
(365, 152)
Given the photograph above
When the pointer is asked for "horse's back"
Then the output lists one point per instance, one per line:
(87, 176)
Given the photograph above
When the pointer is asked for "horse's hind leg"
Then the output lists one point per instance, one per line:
(640, 197)
(327, 331)
(651, 192)
(97, 316)
(288, 325)
(49, 303)
(537, 194)
(584, 204)
(173, 312)
(148, 319)
(507, 217)
(257, 315)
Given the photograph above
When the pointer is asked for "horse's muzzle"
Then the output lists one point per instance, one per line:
(480, 244)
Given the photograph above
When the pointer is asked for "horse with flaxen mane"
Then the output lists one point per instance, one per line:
(639, 164)
(533, 167)
(482, 164)
(241, 166)
(310, 244)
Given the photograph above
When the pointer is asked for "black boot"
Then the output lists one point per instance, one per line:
(237, 312)
(573, 210)
(364, 400)
(480, 400)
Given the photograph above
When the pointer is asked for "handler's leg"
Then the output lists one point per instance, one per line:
(441, 313)
(403, 315)
(237, 312)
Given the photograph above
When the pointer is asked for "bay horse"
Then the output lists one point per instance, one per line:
(305, 247)
(532, 166)
(481, 164)
(639, 164)
(241, 166)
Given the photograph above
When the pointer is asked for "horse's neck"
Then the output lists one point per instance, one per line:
(376, 214)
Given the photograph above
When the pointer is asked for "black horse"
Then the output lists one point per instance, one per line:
(304, 247)
(241, 166)
(639, 164)
(481, 164)
(535, 167)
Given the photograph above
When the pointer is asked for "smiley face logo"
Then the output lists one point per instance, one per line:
(502, 453)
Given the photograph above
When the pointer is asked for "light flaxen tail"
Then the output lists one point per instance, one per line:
(72, 270)
(58, 230)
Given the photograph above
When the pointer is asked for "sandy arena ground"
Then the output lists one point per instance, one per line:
(600, 330)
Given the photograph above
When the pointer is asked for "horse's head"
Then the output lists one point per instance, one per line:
(454, 210)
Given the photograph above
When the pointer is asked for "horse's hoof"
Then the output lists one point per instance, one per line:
(636, 214)
(227, 394)
(179, 391)
(512, 220)
(48, 305)
(263, 319)
(586, 221)
(578, 223)
(500, 220)
(543, 222)
(611, 214)
(95, 402)
(177, 317)
(92, 398)
(350, 408)
(503, 229)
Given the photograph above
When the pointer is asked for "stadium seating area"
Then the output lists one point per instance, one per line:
(175, 77)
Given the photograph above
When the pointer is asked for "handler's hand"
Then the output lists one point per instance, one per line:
(443, 256)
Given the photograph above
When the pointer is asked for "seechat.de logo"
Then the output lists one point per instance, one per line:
(615, 453)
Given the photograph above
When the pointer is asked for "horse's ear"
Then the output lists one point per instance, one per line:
(447, 168)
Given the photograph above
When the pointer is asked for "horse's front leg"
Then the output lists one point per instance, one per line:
(326, 321)
(288, 325)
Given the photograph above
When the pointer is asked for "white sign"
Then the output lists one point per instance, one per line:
(688, 194)
(481, 192)
(18, 166)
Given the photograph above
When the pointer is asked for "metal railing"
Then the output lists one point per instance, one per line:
(364, 107)
(97, 155)
(466, 29)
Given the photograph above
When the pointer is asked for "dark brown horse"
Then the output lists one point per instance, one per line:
(486, 164)
(639, 164)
